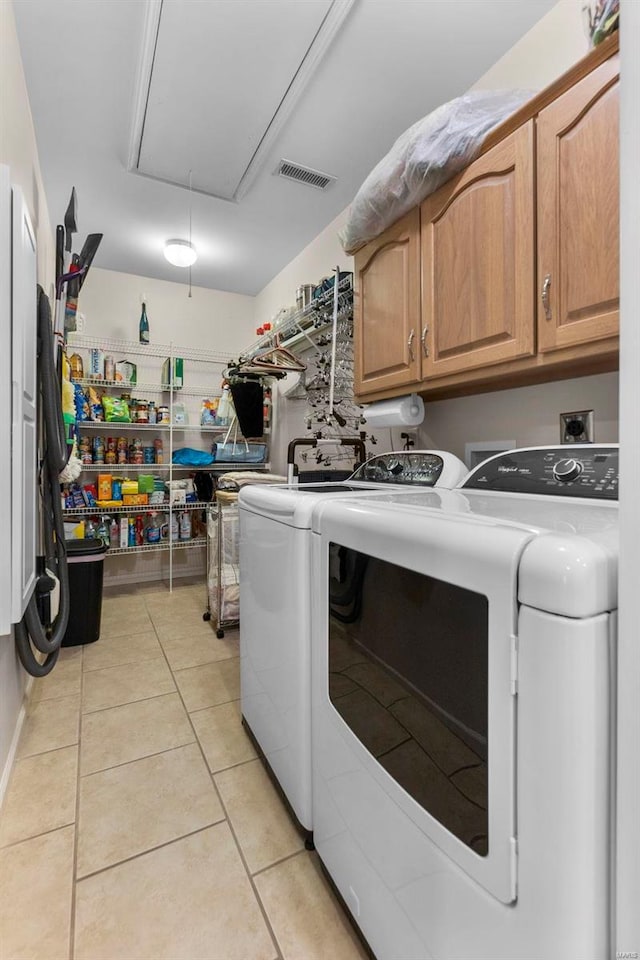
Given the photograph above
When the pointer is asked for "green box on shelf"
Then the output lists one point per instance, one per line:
(175, 377)
(145, 483)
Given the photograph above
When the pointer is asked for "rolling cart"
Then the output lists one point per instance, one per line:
(223, 568)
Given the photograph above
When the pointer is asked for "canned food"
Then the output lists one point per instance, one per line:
(159, 452)
(110, 457)
(163, 414)
(98, 450)
(149, 454)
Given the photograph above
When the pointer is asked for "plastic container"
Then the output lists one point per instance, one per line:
(86, 572)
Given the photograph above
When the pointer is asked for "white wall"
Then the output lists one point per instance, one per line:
(527, 415)
(19, 151)
(211, 319)
(556, 42)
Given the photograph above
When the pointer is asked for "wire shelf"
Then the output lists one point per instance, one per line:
(115, 427)
(304, 323)
(155, 547)
(134, 348)
(147, 508)
(197, 390)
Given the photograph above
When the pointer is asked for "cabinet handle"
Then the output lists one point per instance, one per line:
(412, 337)
(545, 296)
(423, 341)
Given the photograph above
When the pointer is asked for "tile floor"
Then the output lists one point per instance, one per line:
(138, 823)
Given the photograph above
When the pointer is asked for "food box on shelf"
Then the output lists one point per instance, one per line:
(145, 483)
(174, 377)
(135, 499)
(127, 372)
(130, 487)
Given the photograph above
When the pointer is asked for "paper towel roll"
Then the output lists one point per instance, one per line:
(399, 412)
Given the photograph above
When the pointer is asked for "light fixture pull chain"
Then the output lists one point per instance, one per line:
(190, 244)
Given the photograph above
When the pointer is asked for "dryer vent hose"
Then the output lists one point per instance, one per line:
(31, 632)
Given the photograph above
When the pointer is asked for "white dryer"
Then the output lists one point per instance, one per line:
(462, 696)
(275, 601)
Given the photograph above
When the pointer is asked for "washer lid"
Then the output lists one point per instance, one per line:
(568, 567)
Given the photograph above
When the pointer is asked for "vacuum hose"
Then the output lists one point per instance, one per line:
(31, 631)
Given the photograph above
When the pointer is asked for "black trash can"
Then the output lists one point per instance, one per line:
(86, 572)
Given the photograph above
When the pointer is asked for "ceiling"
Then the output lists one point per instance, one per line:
(131, 99)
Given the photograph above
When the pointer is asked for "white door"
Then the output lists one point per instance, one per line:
(23, 407)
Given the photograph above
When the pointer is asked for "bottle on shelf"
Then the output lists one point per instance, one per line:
(139, 531)
(154, 529)
(144, 325)
(114, 533)
(131, 542)
(103, 531)
(185, 526)
(89, 530)
(174, 527)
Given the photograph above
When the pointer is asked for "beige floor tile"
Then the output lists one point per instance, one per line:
(114, 651)
(305, 916)
(124, 684)
(41, 795)
(35, 897)
(222, 736)
(169, 605)
(209, 684)
(63, 681)
(189, 649)
(132, 808)
(124, 616)
(190, 899)
(50, 724)
(132, 731)
(261, 823)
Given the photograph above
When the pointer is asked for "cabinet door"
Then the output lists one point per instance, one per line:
(387, 308)
(578, 213)
(477, 262)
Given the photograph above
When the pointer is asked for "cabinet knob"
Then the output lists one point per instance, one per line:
(423, 341)
(545, 296)
(412, 336)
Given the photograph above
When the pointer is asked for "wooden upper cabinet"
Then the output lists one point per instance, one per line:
(387, 308)
(578, 212)
(477, 262)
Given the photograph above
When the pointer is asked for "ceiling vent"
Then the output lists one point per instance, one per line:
(313, 178)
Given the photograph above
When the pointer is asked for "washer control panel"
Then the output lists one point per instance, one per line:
(421, 469)
(591, 471)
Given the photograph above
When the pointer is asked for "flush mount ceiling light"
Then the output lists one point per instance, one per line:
(181, 253)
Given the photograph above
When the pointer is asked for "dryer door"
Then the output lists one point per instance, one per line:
(414, 655)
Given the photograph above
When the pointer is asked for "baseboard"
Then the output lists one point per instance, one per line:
(8, 767)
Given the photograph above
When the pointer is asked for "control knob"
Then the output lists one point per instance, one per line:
(567, 470)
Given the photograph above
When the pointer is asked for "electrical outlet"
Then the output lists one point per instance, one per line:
(576, 427)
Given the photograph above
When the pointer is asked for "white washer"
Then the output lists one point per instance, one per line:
(275, 601)
(462, 704)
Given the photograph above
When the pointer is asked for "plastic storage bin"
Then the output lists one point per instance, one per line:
(86, 572)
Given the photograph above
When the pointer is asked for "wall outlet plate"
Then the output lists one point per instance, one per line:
(576, 427)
